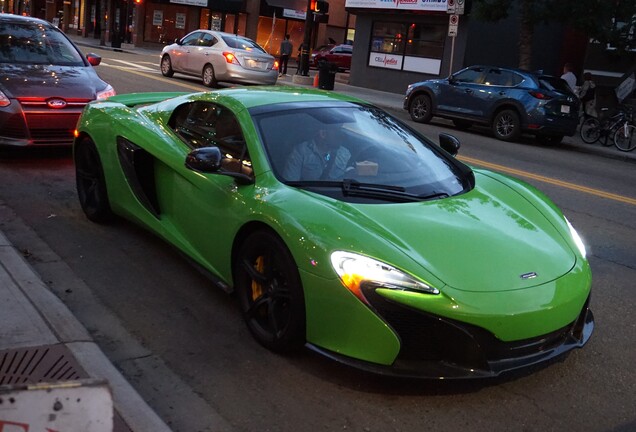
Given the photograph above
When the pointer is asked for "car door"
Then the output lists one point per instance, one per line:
(340, 56)
(496, 87)
(179, 55)
(204, 210)
(200, 54)
(459, 95)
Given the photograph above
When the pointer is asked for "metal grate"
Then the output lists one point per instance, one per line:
(47, 363)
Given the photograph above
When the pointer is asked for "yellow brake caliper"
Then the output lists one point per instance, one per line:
(257, 288)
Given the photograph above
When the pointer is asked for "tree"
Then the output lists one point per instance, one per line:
(610, 22)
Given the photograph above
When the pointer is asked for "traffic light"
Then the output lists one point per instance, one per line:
(319, 6)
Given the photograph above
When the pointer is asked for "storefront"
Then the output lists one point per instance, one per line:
(401, 42)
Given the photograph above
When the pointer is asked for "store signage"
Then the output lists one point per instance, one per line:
(296, 14)
(423, 5)
(157, 17)
(203, 3)
(387, 61)
(180, 21)
(455, 7)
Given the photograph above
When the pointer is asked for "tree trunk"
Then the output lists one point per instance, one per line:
(526, 32)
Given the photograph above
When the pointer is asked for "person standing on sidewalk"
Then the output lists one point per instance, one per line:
(569, 76)
(286, 48)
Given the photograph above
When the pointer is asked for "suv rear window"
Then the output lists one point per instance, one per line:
(554, 84)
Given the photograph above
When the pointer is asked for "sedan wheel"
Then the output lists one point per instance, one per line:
(270, 292)
(420, 108)
(91, 186)
(209, 79)
(166, 66)
(506, 125)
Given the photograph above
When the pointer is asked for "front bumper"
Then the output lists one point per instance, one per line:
(436, 347)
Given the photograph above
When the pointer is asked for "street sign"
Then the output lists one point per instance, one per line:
(453, 24)
(459, 7)
(451, 6)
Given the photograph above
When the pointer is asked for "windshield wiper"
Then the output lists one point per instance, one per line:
(351, 187)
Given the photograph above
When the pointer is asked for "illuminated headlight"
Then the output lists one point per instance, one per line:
(355, 270)
(578, 241)
(4, 100)
(106, 93)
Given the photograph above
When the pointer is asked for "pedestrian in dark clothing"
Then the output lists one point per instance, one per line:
(286, 48)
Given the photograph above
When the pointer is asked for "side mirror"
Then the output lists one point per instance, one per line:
(210, 160)
(449, 143)
(452, 79)
(93, 59)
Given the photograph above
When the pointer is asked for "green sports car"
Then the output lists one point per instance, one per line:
(342, 229)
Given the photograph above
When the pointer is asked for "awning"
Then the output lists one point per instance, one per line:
(289, 4)
(231, 6)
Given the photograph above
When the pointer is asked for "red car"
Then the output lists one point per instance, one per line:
(340, 55)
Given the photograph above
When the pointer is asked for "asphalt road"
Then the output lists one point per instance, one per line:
(183, 345)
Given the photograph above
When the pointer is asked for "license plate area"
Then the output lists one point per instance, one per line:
(565, 109)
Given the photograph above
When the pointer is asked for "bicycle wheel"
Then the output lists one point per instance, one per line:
(625, 138)
(590, 130)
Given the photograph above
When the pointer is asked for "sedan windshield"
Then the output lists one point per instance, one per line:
(354, 150)
(33, 43)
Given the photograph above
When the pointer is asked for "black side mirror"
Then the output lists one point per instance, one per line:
(449, 143)
(452, 79)
(209, 160)
(93, 59)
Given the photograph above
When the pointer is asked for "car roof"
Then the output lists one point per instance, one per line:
(513, 69)
(22, 19)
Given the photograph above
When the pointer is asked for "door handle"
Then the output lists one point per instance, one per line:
(468, 91)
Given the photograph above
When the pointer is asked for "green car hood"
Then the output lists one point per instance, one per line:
(489, 239)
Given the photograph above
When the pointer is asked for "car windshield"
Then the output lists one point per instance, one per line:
(242, 43)
(356, 150)
(33, 43)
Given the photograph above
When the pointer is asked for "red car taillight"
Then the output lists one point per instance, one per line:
(540, 95)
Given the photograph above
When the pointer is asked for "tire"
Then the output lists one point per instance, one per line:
(590, 130)
(506, 125)
(166, 66)
(420, 108)
(462, 124)
(625, 138)
(209, 80)
(549, 139)
(270, 292)
(90, 182)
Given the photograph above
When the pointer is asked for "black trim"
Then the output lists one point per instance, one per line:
(139, 169)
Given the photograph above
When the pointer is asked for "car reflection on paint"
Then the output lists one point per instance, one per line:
(46, 82)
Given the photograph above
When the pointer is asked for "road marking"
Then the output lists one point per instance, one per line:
(560, 183)
(155, 77)
(135, 65)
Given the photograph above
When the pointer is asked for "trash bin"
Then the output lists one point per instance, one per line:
(326, 75)
(116, 41)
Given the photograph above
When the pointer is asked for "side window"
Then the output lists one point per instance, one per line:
(192, 39)
(474, 76)
(207, 40)
(516, 79)
(498, 77)
(204, 124)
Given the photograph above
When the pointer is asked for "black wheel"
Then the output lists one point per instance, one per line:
(209, 79)
(625, 138)
(462, 124)
(590, 130)
(421, 108)
(270, 292)
(166, 66)
(549, 139)
(506, 125)
(91, 186)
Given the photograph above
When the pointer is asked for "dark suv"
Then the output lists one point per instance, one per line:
(510, 101)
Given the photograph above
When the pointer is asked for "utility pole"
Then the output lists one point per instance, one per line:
(304, 48)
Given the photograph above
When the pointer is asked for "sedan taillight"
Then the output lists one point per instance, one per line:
(540, 95)
(231, 58)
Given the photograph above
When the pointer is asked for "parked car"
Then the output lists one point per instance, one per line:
(216, 56)
(319, 52)
(339, 55)
(510, 101)
(379, 263)
(46, 82)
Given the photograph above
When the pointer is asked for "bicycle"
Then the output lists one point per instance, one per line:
(625, 136)
(593, 129)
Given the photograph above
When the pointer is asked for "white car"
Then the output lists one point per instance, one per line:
(216, 56)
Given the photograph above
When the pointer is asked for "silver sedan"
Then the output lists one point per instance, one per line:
(217, 56)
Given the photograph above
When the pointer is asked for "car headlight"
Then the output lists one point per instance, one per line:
(578, 241)
(355, 270)
(106, 93)
(4, 100)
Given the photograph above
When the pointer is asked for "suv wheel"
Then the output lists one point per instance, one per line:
(420, 108)
(506, 125)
